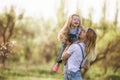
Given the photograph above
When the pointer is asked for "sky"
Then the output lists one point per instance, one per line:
(47, 8)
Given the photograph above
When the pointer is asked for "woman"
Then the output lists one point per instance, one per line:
(73, 54)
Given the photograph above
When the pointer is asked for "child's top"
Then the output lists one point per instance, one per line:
(74, 31)
(63, 34)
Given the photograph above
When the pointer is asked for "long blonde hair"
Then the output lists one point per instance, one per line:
(62, 35)
(90, 43)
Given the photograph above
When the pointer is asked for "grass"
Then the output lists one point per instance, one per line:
(29, 73)
(97, 73)
(43, 72)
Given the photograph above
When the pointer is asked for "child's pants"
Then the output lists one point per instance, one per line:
(61, 52)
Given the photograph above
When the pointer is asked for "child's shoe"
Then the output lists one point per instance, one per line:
(56, 67)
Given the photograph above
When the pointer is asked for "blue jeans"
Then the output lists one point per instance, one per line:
(70, 75)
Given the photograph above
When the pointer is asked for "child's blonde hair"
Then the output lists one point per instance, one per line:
(62, 35)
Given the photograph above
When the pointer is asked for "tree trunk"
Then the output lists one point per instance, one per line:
(2, 61)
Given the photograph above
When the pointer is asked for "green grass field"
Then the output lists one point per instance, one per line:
(37, 72)
(29, 73)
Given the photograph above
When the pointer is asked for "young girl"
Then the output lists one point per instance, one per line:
(72, 26)
(73, 54)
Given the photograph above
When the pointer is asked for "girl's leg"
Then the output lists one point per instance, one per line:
(56, 66)
(61, 52)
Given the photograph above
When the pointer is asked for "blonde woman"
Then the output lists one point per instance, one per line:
(72, 26)
(73, 54)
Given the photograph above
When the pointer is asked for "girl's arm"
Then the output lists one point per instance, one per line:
(61, 37)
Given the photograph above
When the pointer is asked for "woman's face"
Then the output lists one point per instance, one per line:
(75, 21)
(83, 33)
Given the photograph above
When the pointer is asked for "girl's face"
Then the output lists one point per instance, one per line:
(75, 21)
(83, 33)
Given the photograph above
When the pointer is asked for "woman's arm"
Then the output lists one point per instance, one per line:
(86, 64)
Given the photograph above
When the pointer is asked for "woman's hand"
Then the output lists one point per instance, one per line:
(65, 55)
(86, 64)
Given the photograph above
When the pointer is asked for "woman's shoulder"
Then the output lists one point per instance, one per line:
(82, 44)
(74, 45)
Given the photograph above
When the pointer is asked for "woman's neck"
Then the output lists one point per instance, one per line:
(82, 41)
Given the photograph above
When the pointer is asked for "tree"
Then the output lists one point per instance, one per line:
(7, 24)
(107, 43)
